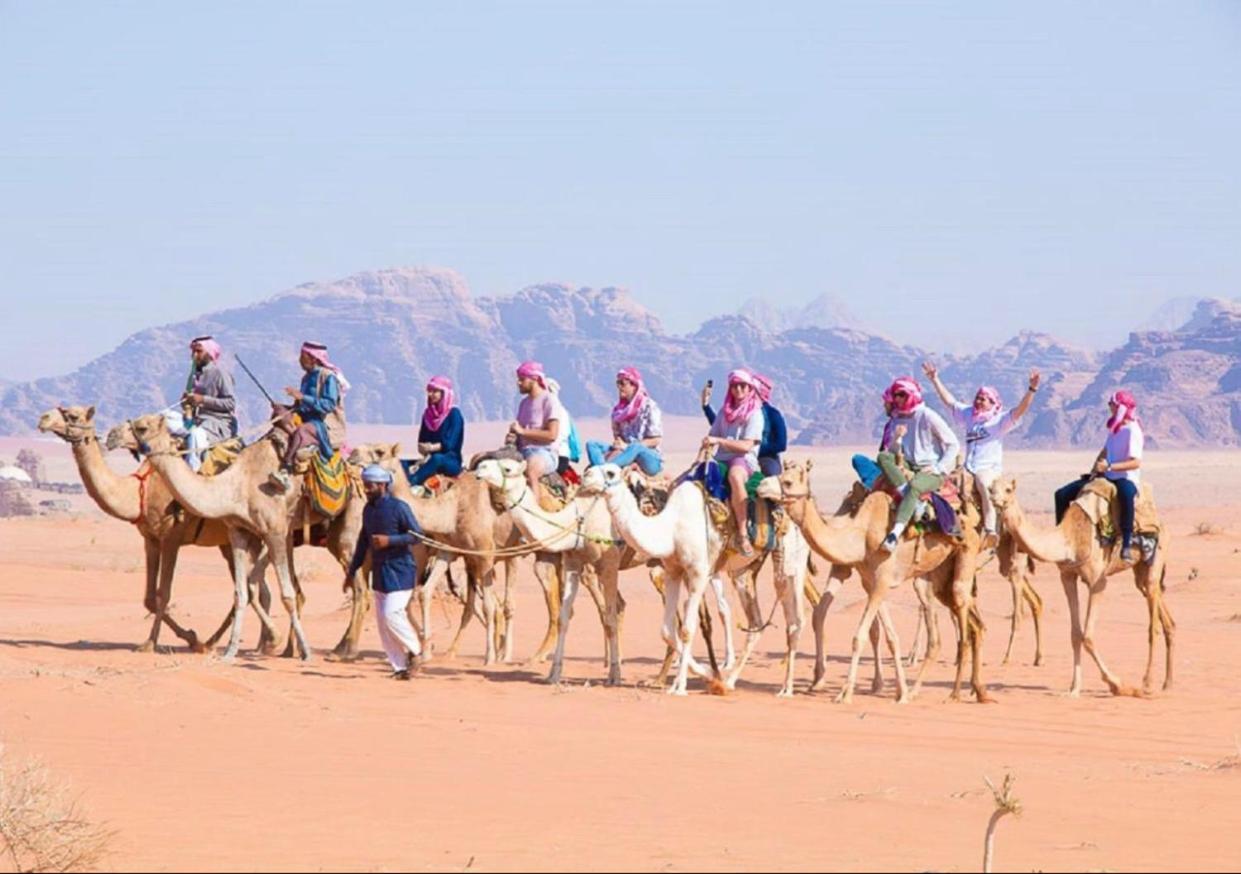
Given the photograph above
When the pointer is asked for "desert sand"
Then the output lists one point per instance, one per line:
(271, 764)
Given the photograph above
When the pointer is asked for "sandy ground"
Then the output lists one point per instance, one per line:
(271, 764)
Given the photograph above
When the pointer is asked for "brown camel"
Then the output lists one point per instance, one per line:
(854, 541)
(1076, 548)
(143, 500)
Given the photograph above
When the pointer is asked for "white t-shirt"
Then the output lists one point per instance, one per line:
(747, 429)
(984, 437)
(1125, 445)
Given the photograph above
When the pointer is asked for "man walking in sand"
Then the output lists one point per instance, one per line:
(388, 530)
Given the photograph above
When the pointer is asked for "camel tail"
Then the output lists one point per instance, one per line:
(811, 566)
(1031, 564)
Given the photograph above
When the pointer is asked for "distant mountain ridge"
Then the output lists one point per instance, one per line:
(392, 329)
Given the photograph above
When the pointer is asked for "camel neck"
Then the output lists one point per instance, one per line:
(116, 495)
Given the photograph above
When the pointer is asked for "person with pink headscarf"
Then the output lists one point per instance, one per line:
(541, 427)
(318, 404)
(208, 406)
(775, 431)
(919, 451)
(986, 422)
(1120, 461)
(441, 434)
(637, 427)
(735, 437)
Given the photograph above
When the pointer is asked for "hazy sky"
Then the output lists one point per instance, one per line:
(950, 170)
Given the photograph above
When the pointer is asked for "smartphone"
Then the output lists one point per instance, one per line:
(710, 383)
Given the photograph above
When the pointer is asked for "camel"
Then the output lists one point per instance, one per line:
(145, 502)
(691, 549)
(1017, 566)
(854, 541)
(1077, 550)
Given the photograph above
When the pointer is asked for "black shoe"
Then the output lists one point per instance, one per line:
(401, 675)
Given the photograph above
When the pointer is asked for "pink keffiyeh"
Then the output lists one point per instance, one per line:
(1126, 410)
(735, 411)
(913, 396)
(208, 345)
(318, 353)
(763, 385)
(626, 411)
(532, 370)
(435, 414)
(990, 393)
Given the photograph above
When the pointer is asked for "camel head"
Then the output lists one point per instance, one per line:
(601, 479)
(1004, 493)
(793, 482)
(495, 472)
(151, 434)
(122, 437)
(72, 424)
(374, 453)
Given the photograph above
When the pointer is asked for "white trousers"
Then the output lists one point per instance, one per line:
(395, 631)
(196, 439)
(983, 480)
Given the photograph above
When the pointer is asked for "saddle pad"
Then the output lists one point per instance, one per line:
(327, 485)
(1097, 499)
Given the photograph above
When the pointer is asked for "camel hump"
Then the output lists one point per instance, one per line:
(1098, 499)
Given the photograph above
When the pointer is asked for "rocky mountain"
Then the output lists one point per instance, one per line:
(392, 329)
(825, 311)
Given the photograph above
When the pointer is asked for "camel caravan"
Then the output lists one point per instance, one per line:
(924, 510)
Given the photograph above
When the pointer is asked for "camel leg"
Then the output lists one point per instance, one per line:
(1094, 600)
(260, 593)
(151, 549)
(817, 619)
(346, 650)
(468, 610)
(793, 599)
(167, 570)
(245, 555)
(912, 659)
(754, 619)
(876, 682)
(1068, 579)
(435, 574)
(670, 629)
(894, 649)
(1169, 630)
(726, 619)
(1035, 602)
(611, 627)
(1014, 583)
(486, 576)
(294, 645)
(590, 582)
(697, 584)
(547, 572)
(932, 647)
(510, 613)
(290, 595)
(873, 600)
(572, 579)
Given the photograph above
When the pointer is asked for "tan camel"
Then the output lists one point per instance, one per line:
(143, 500)
(1075, 547)
(1017, 566)
(854, 541)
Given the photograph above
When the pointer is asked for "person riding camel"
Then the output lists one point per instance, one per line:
(637, 427)
(318, 405)
(986, 422)
(1120, 461)
(540, 427)
(208, 411)
(775, 432)
(441, 434)
(735, 437)
(926, 442)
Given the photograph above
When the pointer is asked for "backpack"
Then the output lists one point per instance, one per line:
(335, 420)
(575, 443)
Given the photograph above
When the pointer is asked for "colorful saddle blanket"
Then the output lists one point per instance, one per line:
(327, 485)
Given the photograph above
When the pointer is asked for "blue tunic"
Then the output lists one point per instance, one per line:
(320, 395)
(450, 435)
(775, 432)
(392, 568)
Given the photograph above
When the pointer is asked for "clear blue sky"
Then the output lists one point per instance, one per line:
(950, 170)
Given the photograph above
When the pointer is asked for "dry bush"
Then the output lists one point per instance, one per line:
(1202, 529)
(41, 825)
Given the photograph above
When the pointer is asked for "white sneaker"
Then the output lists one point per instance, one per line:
(280, 479)
(889, 543)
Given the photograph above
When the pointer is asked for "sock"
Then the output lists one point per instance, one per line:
(898, 529)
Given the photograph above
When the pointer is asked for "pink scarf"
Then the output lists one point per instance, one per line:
(913, 400)
(627, 411)
(734, 411)
(435, 414)
(764, 386)
(532, 370)
(318, 353)
(1126, 410)
(989, 392)
(208, 345)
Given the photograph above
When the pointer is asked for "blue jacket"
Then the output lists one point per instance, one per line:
(775, 432)
(393, 568)
(450, 434)
(315, 405)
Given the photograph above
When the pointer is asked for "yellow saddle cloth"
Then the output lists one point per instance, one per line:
(220, 457)
(327, 485)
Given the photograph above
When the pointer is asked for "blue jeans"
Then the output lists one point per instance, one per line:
(440, 463)
(645, 457)
(1126, 493)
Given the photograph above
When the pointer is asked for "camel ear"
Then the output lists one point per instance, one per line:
(396, 450)
(90, 413)
(809, 464)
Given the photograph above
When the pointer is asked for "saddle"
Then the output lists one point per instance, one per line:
(1098, 500)
(651, 493)
(943, 510)
(328, 483)
(221, 456)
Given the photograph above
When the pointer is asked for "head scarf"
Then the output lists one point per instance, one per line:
(374, 473)
(318, 352)
(990, 393)
(733, 411)
(532, 370)
(763, 386)
(208, 345)
(435, 414)
(913, 396)
(627, 411)
(1126, 410)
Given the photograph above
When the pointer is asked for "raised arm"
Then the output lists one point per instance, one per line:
(1028, 398)
(932, 372)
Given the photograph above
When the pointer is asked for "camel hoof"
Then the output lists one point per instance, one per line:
(785, 693)
(818, 685)
(272, 648)
(229, 657)
(876, 687)
(845, 697)
(199, 648)
(1073, 693)
(679, 693)
(145, 646)
(1038, 660)
(984, 698)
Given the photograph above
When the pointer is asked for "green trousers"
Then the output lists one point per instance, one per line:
(923, 481)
